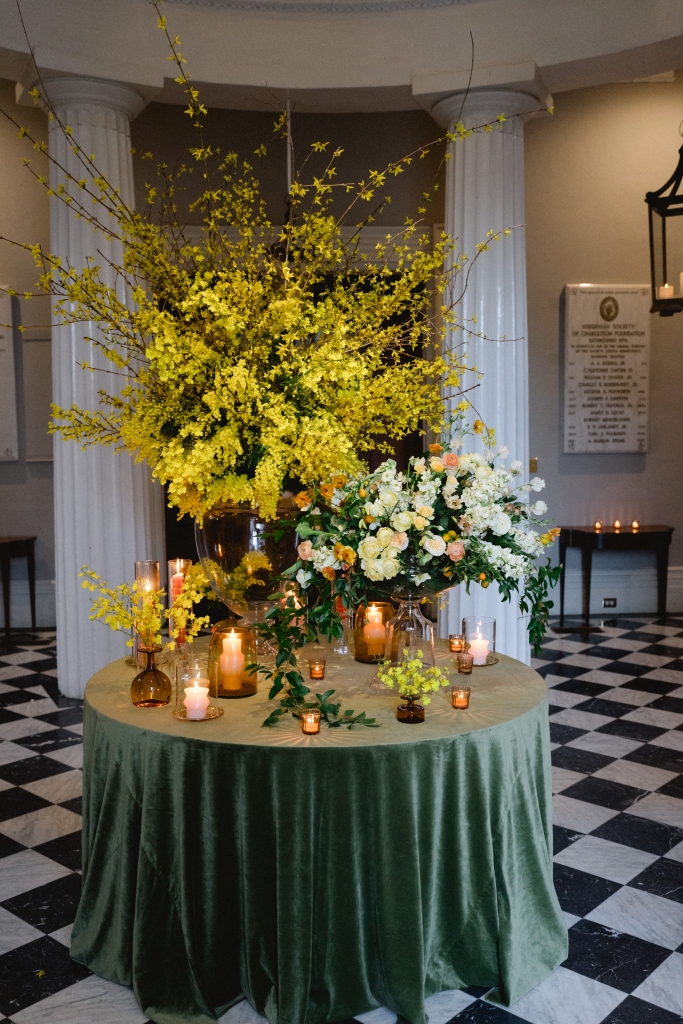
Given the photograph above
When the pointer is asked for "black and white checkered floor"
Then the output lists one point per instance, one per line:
(616, 723)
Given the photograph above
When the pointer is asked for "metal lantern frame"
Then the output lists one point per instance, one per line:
(665, 205)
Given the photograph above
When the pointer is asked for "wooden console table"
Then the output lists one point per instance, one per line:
(17, 547)
(608, 538)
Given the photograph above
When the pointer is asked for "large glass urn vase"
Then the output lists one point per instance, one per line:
(242, 556)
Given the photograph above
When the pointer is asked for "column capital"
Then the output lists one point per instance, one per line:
(483, 105)
(70, 91)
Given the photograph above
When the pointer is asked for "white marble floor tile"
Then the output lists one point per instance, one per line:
(588, 661)
(580, 719)
(673, 641)
(641, 658)
(676, 853)
(672, 740)
(662, 630)
(641, 776)
(623, 644)
(565, 699)
(15, 932)
(612, 631)
(58, 788)
(77, 729)
(73, 756)
(554, 746)
(567, 998)
(41, 826)
(604, 678)
(665, 675)
(653, 716)
(537, 663)
(604, 743)
(6, 688)
(379, 1016)
(5, 785)
(243, 1013)
(21, 657)
(27, 870)
(563, 778)
(24, 727)
(10, 752)
(552, 680)
(578, 815)
(642, 914)
(570, 646)
(625, 695)
(676, 693)
(15, 671)
(63, 935)
(39, 690)
(569, 919)
(605, 859)
(667, 810)
(92, 999)
(39, 706)
(443, 1006)
(51, 672)
(664, 987)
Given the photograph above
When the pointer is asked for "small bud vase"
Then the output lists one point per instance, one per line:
(410, 713)
(151, 688)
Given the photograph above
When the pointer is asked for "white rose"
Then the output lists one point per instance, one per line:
(402, 520)
(374, 508)
(503, 451)
(537, 484)
(482, 472)
(390, 567)
(516, 466)
(540, 508)
(369, 547)
(388, 497)
(434, 545)
(374, 568)
(303, 577)
(501, 523)
(385, 536)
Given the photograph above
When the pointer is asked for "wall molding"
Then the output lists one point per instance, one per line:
(20, 605)
(635, 590)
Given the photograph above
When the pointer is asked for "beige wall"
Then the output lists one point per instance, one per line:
(587, 171)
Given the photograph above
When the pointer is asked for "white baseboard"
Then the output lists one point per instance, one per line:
(20, 605)
(635, 590)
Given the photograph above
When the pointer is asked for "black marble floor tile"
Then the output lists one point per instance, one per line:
(9, 846)
(48, 742)
(14, 802)
(604, 792)
(49, 906)
(611, 957)
(631, 730)
(629, 668)
(564, 733)
(663, 878)
(634, 1011)
(31, 769)
(563, 837)
(9, 716)
(610, 708)
(582, 686)
(673, 788)
(75, 805)
(640, 833)
(485, 1013)
(579, 892)
(64, 717)
(576, 760)
(649, 686)
(34, 971)
(674, 704)
(66, 850)
(559, 668)
(657, 757)
(15, 696)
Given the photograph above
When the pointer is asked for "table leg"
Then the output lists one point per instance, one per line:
(563, 559)
(31, 564)
(4, 571)
(662, 575)
(586, 569)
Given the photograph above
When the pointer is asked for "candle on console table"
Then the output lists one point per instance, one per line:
(374, 632)
(635, 524)
(617, 524)
(479, 649)
(665, 291)
(197, 699)
(231, 661)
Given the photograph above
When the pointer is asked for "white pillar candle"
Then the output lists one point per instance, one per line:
(665, 291)
(232, 661)
(197, 699)
(374, 632)
(479, 649)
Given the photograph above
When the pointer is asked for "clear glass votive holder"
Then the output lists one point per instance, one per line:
(310, 721)
(465, 661)
(456, 642)
(316, 668)
(460, 697)
(480, 639)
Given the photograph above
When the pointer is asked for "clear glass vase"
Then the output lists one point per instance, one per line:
(409, 630)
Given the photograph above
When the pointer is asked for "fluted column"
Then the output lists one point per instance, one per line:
(484, 192)
(108, 512)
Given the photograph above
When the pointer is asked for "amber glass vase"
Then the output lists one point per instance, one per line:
(151, 688)
(410, 713)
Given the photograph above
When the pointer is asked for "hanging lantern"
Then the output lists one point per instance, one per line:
(665, 210)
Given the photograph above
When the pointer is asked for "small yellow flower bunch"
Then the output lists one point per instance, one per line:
(549, 537)
(411, 678)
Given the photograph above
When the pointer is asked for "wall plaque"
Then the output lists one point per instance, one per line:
(9, 435)
(606, 367)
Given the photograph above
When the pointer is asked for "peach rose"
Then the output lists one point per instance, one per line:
(305, 551)
(399, 540)
(450, 460)
(455, 551)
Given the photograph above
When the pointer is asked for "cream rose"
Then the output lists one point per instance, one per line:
(402, 520)
(374, 569)
(426, 511)
(399, 540)
(385, 536)
(419, 523)
(390, 567)
(455, 551)
(436, 465)
(305, 550)
(369, 548)
(434, 545)
(388, 497)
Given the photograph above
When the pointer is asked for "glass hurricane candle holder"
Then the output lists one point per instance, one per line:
(232, 655)
(151, 687)
(148, 574)
(456, 642)
(410, 630)
(316, 668)
(177, 569)
(480, 639)
(310, 721)
(465, 660)
(193, 682)
(370, 630)
(460, 697)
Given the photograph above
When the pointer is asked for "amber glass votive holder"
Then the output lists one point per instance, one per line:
(456, 642)
(310, 721)
(465, 662)
(316, 668)
(460, 697)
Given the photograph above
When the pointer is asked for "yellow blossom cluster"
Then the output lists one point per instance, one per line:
(411, 678)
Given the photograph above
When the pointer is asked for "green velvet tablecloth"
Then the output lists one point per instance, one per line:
(319, 876)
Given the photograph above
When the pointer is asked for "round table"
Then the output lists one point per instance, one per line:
(318, 876)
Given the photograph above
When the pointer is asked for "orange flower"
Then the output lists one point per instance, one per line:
(478, 427)
(303, 499)
(555, 531)
(450, 460)
(435, 448)
(338, 481)
(327, 490)
(328, 572)
(363, 493)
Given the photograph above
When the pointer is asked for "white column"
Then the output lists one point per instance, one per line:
(485, 191)
(108, 512)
